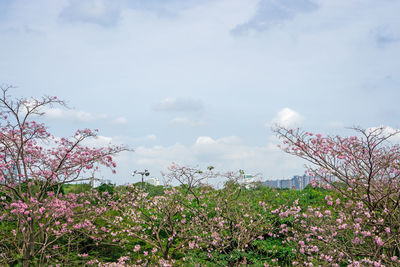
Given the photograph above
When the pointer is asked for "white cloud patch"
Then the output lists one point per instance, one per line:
(336, 124)
(179, 120)
(146, 138)
(387, 131)
(120, 121)
(101, 12)
(226, 153)
(186, 121)
(287, 118)
(178, 105)
(205, 140)
(274, 12)
(71, 114)
(228, 140)
(151, 137)
(98, 141)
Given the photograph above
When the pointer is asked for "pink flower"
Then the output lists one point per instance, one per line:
(378, 241)
(136, 248)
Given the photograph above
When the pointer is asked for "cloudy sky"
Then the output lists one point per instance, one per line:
(200, 82)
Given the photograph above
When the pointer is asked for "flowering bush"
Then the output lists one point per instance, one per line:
(359, 224)
(350, 218)
(34, 165)
(190, 219)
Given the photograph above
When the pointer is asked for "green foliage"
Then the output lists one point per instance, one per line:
(35, 188)
(152, 190)
(109, 188)
(269, 248)
(77, 188)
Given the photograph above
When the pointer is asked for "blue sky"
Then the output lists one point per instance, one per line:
(199, 82)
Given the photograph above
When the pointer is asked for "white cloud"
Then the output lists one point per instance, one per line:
(273, 142)
(205, 140)
(101, 12)
(226, 154)
(149, 137)
(186, 121)
(287, 118)
(336, 124)
(178, 105)
(271, 13)
(54, 113)
(71, 114)
(228, 140)
(121, 121)
(179, 120)
(99, 141)
(387, 131)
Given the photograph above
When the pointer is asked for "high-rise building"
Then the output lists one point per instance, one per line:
(286, 183)
(297, 182)
(272, 183)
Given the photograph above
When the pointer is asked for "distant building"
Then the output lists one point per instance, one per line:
(305, 180)
(8, 173)
(286, 183)
(247, 180)
(297, 182)
(272, 183)
(153, 181)
(331, 178)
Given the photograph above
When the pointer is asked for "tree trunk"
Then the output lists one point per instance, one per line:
(27, 257)
(28, 248)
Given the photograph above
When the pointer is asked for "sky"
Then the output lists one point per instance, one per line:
(201, 82)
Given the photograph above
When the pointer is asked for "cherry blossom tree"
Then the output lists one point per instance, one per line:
(190, 218)
(34, 165)
(360, 221)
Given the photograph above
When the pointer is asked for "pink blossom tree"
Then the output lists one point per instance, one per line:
(360, 222)
(33, 167)
(190, 218)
